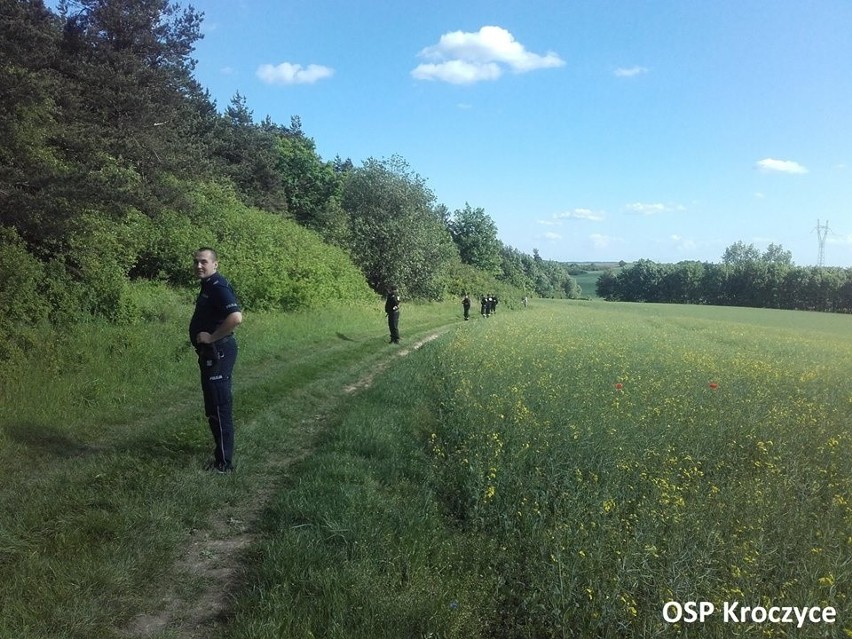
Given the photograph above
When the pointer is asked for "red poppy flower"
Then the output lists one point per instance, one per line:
(713, 385)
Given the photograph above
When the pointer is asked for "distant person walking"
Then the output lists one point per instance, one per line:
(392, 311)
(211, 332)
(466, 306)
(483, 305)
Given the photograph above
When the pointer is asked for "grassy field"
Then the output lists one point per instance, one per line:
(588, 281)
(559, 471)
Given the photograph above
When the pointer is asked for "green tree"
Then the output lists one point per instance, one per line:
(129, 99)
(514, 268)
(29, 163)
(739, 253)
(312, 188)
(606, 286)
(397, 235)
(775, 254)
(475, 235)
(248, 154)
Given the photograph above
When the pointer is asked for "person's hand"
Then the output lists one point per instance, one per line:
(203, 338)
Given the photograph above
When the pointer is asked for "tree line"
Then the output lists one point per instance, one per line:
(115, 164)
(745, 277)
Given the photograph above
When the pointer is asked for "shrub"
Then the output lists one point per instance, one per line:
(102, 251)
(167, 251)
(273, 262)
(21, 282)
(25, 309)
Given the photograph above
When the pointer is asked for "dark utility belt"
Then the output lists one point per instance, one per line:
(219, 342)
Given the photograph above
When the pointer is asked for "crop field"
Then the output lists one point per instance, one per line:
(587, 282)
(626, 456)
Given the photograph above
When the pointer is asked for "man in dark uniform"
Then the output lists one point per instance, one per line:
(392, 311)
(211, 332)
(466, 306)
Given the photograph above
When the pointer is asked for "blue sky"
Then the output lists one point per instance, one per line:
(590, 130)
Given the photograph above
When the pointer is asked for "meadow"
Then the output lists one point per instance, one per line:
(564, 470)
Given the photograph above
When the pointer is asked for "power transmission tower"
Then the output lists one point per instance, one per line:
(822, 232)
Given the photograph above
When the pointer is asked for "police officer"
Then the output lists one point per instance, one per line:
(211, 332)
(466, 306)
(392, 311)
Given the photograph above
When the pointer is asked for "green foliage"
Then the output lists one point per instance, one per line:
(545, 278)
(21, 282)
(168, 248)
(273, 262)
(463, 278)
(744, 278)
(475, 235)
(397, 233)
(21, 287)
(110, 150)
(104, 250)
(310, 185)
(248, 154)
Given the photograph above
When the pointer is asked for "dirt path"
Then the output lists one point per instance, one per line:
(212, 556)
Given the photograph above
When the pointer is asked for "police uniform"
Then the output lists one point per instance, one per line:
(214, 303)
(466, 307)
(392, 311)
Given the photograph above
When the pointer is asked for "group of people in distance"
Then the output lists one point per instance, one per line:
(488, 305)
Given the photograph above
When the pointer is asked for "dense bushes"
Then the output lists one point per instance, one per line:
(274, 262)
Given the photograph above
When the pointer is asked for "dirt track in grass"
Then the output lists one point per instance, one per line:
(212, 557)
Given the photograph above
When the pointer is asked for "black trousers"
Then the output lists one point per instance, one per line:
(216, 363)
(393, 326)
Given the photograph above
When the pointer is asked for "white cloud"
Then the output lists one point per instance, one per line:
(654, 209)
(580, 214)
(457, 72)
(630, 72)
(227, 71)
(780, 166)
(604, 241)
(682, 243)
(288, 73)
(464, 58)
(551, 236)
